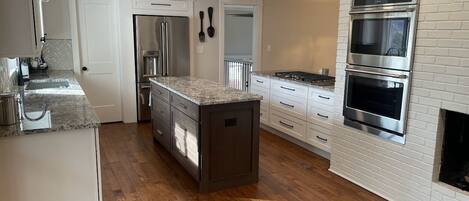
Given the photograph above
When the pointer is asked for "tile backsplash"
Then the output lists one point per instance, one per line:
(58, 54)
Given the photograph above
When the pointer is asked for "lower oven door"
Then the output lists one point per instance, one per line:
(377, 98)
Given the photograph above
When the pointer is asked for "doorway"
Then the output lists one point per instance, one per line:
(240, 41)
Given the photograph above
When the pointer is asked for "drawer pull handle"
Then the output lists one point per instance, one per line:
(323, 97)
(260, 81)
(290, 89)
(159, 132)
(183, 106)
(286, 125)
(322, 139)
(160, 4)
(323, 116)
(288, 105)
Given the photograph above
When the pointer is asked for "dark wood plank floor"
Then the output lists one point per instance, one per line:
(136, 169)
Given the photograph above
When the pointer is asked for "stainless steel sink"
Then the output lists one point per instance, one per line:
(36, 85)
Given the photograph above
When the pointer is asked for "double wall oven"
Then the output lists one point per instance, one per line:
(378, 74)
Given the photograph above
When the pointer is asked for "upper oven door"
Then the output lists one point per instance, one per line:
(382, 38)
(377, 97)
(374, 3)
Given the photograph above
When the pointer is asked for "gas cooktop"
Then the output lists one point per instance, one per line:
(316, 79)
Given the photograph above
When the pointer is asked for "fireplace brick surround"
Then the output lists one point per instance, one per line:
(440, 82)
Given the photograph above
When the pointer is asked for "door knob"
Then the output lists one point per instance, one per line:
(84, 68)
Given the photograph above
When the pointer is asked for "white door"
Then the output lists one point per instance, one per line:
(98, 48)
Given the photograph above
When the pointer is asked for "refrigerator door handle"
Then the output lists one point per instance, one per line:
(167, 48)
(162, 42)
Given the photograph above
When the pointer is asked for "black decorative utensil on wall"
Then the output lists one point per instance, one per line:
(201, 33)
(211, 29)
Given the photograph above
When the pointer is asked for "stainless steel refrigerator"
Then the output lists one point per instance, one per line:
(161, 49)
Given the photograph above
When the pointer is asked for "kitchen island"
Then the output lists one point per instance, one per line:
(53, 152)
(211, 130)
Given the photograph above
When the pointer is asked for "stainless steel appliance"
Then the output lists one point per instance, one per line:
(376, 101)
(161, 49)
(382, 36)
(9, 113)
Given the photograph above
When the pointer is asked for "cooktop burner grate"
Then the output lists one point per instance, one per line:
(306, 77)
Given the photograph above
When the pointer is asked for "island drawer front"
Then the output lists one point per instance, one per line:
(289, 106)
(161, 109)
(160, 92)
(290, 89)
(162, 132)
(287, 124)
(259, 81)
(185, 106)
(185, 143)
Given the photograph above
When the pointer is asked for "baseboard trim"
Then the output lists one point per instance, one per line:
(293, 140)
(359, 184)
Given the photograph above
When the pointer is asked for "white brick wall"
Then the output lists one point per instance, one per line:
(441, 80)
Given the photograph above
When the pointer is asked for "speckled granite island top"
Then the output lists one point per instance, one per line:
(67, 107)
(204, 92)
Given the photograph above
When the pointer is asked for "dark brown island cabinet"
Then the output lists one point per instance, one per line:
(215, 138)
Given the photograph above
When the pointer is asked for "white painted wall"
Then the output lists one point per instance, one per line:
(302, 35)
(238, 35)
(441, 81)
(207, 55)
(57, 19)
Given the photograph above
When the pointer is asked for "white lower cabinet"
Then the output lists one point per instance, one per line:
(265, 114)
(290, 125)
(304, 113)
(318, 135)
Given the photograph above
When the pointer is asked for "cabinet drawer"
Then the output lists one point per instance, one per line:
(160, 109)
(289, 125)
(319, 114)
(185, 143)
(264, 115)
(176, 5)
(262, 92)
(185, 106)
(319, 136)
(259, 81)
(291, 89)
(322, 97)
(289, 106)
(159, 92)
(161, 132)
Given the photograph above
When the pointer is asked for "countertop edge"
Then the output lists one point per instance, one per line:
(202, 103)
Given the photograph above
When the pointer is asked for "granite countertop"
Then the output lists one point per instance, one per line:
(271, 74)
(67, 108)
(204, 92)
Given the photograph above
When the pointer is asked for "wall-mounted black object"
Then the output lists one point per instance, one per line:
(201, 33)
(211, 29)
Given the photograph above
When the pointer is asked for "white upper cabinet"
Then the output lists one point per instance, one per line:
(167, 5)
(22, 29)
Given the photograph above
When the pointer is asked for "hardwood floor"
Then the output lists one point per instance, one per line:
(136, 169)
